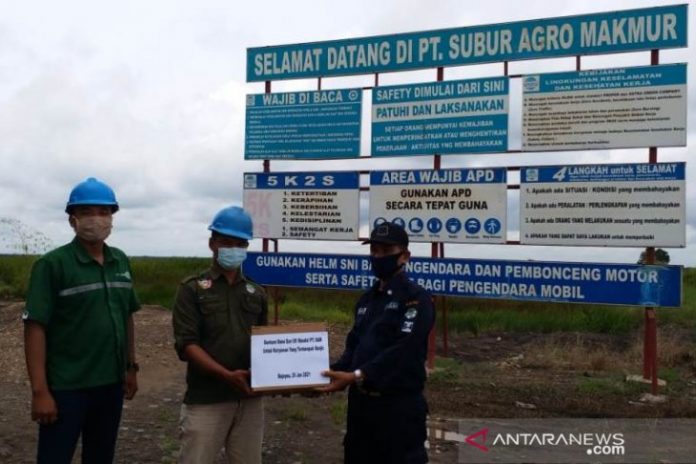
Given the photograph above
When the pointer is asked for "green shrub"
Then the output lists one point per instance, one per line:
(156, 279)
(14, 275)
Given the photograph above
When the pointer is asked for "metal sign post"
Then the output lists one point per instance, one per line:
(650, 338)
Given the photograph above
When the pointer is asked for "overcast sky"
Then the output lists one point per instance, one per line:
(149, 96)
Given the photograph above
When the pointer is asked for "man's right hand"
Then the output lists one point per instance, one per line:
(43, 408)
(239, 380)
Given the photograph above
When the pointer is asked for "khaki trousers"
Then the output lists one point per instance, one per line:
(236, 426)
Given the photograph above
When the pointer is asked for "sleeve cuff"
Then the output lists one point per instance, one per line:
(180, 346)
(26, 317)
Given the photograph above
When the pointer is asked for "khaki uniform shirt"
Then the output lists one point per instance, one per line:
(217, 316)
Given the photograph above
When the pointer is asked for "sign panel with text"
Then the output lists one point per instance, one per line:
(303, 125)
(605, 108)
(621, 205)
(616, 284)
(303, 206)
(447, 205)
(469, 116)
(606, 32)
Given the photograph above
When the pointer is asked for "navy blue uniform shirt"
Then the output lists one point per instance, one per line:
(389, 340)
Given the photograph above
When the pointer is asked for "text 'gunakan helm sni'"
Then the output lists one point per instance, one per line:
(92, 191)
(234, 222)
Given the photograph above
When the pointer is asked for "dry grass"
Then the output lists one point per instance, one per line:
(594, 352)
(675, 348)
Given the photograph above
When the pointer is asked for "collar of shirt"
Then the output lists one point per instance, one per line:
(215, 273)
(84, 257)
(394, 285)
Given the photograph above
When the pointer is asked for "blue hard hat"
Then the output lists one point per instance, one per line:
(233, 221)
(92, 191)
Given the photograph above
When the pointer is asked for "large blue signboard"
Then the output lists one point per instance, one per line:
(617, 31)
(468, 116)
(620, 284)
(303, 125)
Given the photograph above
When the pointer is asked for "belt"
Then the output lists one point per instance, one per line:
(382, 394)
(365, 392)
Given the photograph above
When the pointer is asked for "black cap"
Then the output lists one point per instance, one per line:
(388, 233)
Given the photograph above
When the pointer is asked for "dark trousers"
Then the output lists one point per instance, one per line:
(385, 429)
(95, 413)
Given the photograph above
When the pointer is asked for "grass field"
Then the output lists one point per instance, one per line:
(157, 279)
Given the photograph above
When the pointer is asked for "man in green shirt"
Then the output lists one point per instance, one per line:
(79, 336)
(212, 319)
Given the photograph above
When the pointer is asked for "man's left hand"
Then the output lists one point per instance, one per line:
(130, 385)
(339, 381)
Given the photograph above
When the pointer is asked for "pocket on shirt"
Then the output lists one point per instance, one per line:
(389, 328)
(251, 310)
(214, 311)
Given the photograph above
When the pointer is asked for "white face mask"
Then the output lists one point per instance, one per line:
(93, 228)
(231, 258)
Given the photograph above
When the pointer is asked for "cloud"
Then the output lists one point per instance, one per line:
(150, 98)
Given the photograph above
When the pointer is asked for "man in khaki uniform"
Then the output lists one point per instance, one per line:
(212, 319)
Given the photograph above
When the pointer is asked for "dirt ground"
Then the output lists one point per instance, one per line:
(493, 375)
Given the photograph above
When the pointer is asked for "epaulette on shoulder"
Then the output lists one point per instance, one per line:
(193, 277)
(414, 289)
(255, 284)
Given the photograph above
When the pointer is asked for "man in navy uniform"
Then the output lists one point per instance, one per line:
(384, 360)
